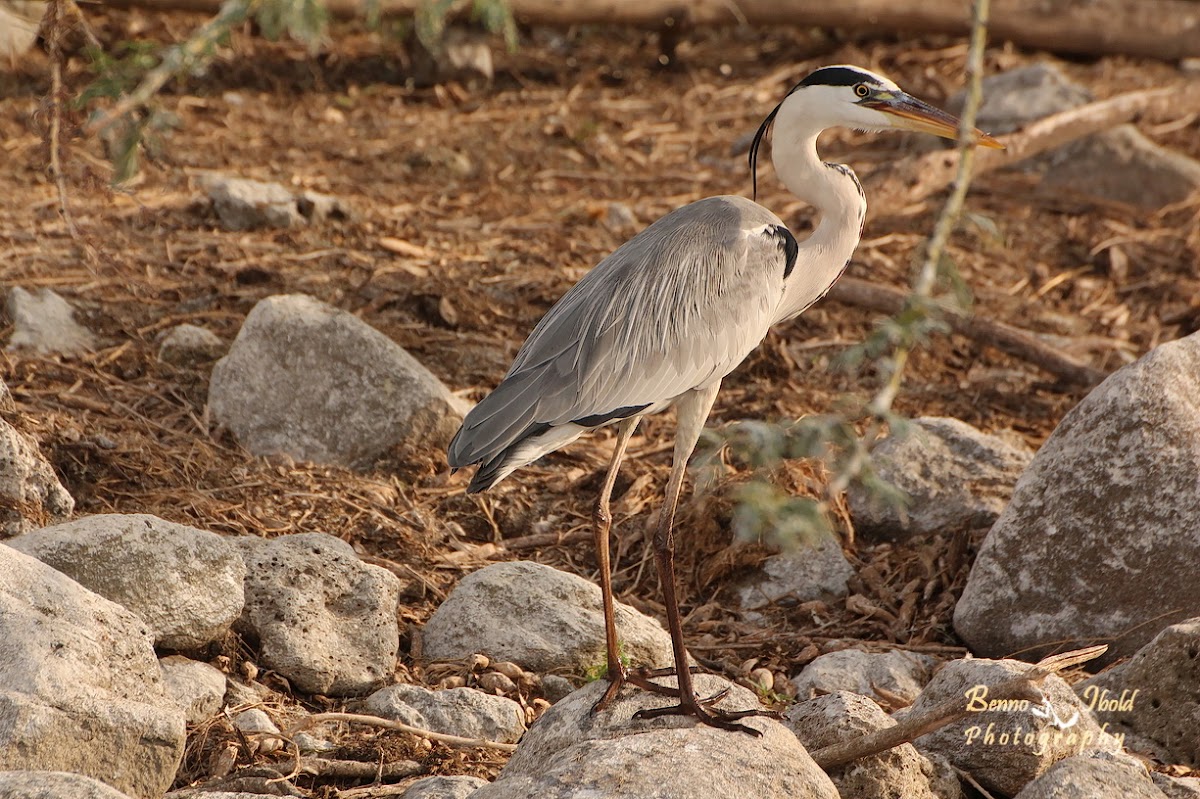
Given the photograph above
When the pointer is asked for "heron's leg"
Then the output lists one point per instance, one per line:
(602, 523)
(692, 410)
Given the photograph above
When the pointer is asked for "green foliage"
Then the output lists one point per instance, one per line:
(494, 15)
(117, 72)
(599, 671)
(303, 20)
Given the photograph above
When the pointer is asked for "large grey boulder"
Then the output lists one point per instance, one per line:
(183, 582)
(315, 383)
(1006, 746)
(539, 618)
(30, 493)
(1097, 774)
(955, 476)
(1154, 697)
(817, 572)
(573, 753)
(79, 684)
(465, 712)
(1101, 538)
(323, 619)
(54, 785)
(898, 673)
(898, 773)
(1019, 96)
(443, 788)
(44, 323)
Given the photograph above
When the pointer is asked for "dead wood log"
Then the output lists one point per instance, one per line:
(1164, 29)
(906, 182)
(1014, 341)
(913, 726)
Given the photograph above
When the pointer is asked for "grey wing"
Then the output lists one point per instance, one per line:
(677, 307)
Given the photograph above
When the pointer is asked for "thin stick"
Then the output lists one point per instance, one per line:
(390, 724)
(52, 27)
(357, 769)
(913, 726)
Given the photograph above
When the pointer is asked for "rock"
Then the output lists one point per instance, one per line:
(570, 751)
(1101, 538)
(443, 788)
(184, 582)
(1005, 748)
(555, 687)
(898, 773)
(44, 323)
(312, 745)
(79, 684)
(1093, 775)
(1017, 97)
(540, 618)
(956, 478)
(243, 204)
(817, 572)
(1155, 695)
(465, 712)
(197, 688)
(619, 218)
(899, 673)
(53, 784)
(1121, 165)
(310, 381)
(187, 345)
(19, 22)
(30, 493)
(262, 732)
(324, 619)
(1177, 787)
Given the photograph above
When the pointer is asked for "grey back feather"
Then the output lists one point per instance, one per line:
(677, 307)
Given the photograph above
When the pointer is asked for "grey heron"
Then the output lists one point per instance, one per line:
(661, 321)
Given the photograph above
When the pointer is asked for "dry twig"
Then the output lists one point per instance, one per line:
(390, 724)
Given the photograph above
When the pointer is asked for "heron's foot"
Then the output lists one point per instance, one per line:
(701, 709)
(642, 677)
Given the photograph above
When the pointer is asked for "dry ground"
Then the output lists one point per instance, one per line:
(502, 192)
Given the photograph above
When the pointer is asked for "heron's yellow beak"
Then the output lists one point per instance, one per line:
(908, 113)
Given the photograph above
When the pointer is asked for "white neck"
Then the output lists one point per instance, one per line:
(837, 196)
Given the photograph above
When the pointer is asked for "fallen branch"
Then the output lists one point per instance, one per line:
(1162, 29)
(913, 725)
(909, 181)
(390, 724)
(359, 770)
(1014, 341)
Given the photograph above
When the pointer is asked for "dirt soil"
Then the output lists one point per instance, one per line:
(500, 196)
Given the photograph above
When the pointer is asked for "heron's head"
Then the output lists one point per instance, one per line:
(853, 97)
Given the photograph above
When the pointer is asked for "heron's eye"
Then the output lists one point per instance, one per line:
(861, 89)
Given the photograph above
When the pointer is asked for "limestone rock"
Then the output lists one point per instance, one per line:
(540, 618)
(260, 729)
(79, 684)
(443, 788)
(1101, 538)
(898, 672)
(184, 582)
(956, 477)
(44, 323)
(1007, 747)
(53, 784)
(1017, 97)
(243, 204)
(1093, 775)
(310, 381)
(465, 712)
(30, 493)
(572, 753)
(186, 345)
(817, 572)
(197, 688)
(324, 619)
(898, 773)
(1177, 787)
(1155, 695)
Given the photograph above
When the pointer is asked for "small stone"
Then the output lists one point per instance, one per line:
(309, 381)
(459, 787)
(186, 583)
(619, 218)
(262, 730)
(51, 784)
(30, 493)
(188, 345)
(496, 683)
(460, 711)
(898, 673)
(312, 745)
(818, 572)
(509, 669)
(197, 688)
(1017, 97)
(540, 618)
(324, 619)
(243, 204)
(555, 687)
(44, 323)
(763, 679)
(1097, 774)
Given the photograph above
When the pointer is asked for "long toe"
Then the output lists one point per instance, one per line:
(722, 719)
